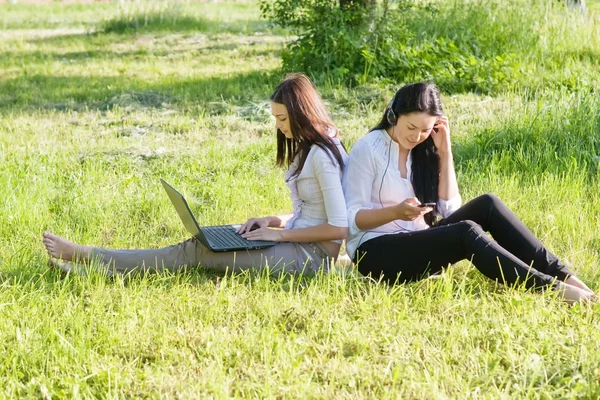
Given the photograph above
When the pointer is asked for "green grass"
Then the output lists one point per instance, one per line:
(91, 118)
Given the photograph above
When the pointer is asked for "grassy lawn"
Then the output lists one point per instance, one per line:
(93, 113)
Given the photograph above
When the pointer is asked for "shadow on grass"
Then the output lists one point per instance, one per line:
(157, 23)
(35, 58)
(106, 92)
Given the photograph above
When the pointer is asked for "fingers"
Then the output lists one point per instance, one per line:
(413, 201)
(256, 234)
(421, 211)
(442, 123)
(413, 213)
(414, 210)
(253, 224)
(246, 226)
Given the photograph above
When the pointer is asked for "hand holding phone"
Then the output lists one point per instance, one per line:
(427, 205)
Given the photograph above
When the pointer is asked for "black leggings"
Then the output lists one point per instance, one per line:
(513, 255)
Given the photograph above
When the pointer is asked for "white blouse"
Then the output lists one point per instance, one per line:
(372, 181)
(316, 193)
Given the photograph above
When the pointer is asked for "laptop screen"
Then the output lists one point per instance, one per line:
(182, 209)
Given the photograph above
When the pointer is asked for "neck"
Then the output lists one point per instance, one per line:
(391, 134)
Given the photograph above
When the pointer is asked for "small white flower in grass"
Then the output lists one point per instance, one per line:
(550, 218)
(44, 392)
(533, 361)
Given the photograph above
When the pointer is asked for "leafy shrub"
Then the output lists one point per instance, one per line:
(481, 46)
(331, 37)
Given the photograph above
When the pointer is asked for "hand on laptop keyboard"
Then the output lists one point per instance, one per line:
(253, 224)
(270, 234)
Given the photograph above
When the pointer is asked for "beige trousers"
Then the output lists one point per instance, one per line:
(287, 257)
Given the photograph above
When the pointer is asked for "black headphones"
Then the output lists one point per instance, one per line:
(390, 115)
(392, 119)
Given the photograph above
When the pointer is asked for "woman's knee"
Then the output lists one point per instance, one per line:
(490, 200)
(467, 226)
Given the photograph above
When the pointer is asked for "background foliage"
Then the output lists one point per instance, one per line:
(480, 46)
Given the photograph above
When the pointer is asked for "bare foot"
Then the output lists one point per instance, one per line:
(574, 281)
(344, 261)
(61, 248)
(573, 294)
(65, 267)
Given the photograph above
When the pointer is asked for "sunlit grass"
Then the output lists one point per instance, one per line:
(89, 122)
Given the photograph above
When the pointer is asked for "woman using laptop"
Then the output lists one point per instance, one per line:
(401, 177)
(308, 239)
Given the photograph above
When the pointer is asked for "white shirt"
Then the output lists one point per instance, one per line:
(372, 181)
(316, 193)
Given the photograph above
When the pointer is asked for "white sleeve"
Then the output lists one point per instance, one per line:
(447, 207)
(328, 177)
(358, 181)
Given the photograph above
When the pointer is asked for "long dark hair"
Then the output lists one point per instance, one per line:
(310, 122)
(425, 170)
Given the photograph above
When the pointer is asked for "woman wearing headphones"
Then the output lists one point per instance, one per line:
(405, 216)
(308, 144)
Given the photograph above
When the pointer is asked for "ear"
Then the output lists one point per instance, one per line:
(390, 115)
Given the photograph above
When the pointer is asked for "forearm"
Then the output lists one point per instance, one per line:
(318, 233)
(279, 221)
(370, 219)
(448, 186)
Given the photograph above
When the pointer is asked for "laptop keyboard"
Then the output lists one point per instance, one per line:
(225, 236)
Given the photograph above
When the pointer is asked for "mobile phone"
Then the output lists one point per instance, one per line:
(427, 205)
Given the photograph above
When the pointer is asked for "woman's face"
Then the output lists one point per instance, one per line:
(412, 129)
(282, 120)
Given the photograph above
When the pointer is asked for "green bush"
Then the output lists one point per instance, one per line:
(474, 46)
(332, 38)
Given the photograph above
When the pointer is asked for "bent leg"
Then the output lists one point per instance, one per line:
(411, 256)
(511, 234)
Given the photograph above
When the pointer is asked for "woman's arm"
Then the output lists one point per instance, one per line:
(408, 210)
(317, 233)
(327, 175)
(279, 221)
(448, 186)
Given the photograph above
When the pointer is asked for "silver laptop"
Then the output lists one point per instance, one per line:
(216, 238)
